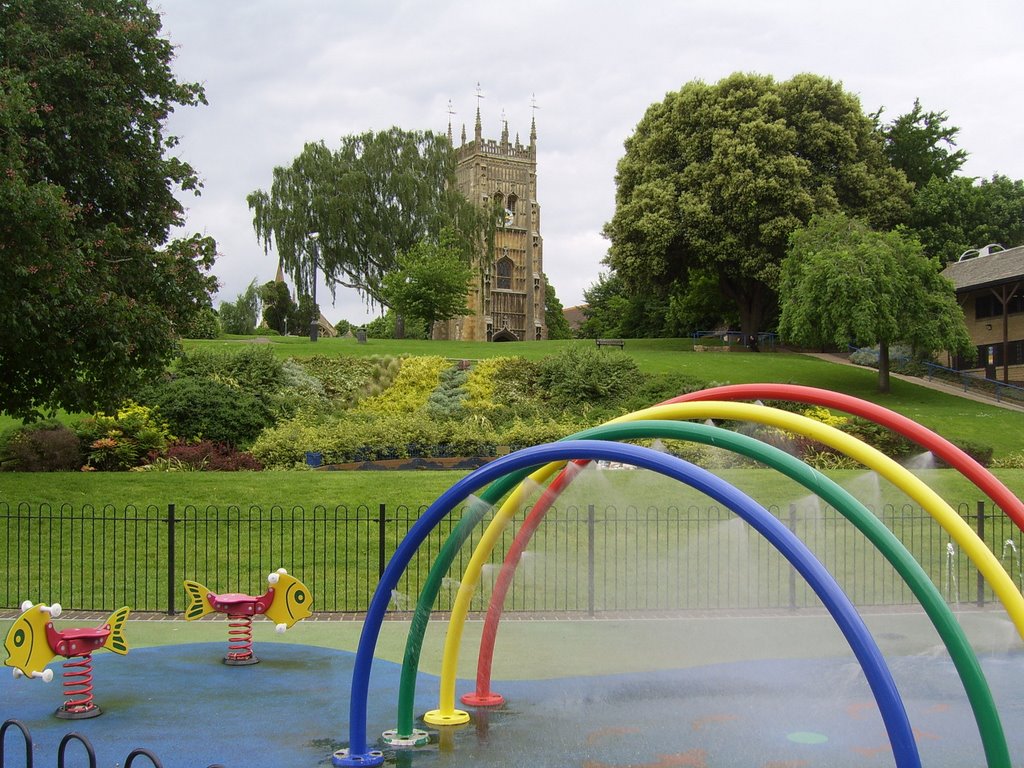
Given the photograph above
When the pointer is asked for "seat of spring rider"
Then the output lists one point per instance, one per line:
(235, 603)
(85, 633)
(80, 641)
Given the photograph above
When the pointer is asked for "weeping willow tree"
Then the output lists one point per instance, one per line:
(370, 201)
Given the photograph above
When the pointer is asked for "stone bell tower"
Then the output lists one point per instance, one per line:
(506, 293)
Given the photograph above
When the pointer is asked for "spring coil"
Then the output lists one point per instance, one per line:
(239, 638)
(78, 684)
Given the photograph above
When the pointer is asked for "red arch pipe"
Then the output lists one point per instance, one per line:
(988, 483)
(483, 696)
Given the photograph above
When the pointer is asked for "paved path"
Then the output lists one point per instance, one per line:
(941, 386)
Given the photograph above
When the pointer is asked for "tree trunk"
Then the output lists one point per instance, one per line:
(752, 300)
(883, 367)
(399, 326)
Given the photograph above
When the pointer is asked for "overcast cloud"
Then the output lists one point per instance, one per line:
(279, 74)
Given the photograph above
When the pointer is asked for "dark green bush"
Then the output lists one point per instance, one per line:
(203, 408)
(884, 439)
(980, 453)
(582, 375)
(253, 367)
(658, 387)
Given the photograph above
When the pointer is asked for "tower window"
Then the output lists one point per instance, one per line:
(510, 208)
(504, 270)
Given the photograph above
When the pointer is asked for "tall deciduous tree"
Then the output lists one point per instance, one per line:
(374, 198)
(953, 215)
(430, 281)
(950, 214)
(92, 303)
(843, 282)
(921, 145)
(716, 177)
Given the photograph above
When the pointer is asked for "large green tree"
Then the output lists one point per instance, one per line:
(430, 281)
(921, 144)
(93, 302)
(950, 216)
(716, 177)
(371, 200)
(844, 282)
(950, 213)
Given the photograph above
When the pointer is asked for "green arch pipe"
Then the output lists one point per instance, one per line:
(432, 585)
(963, 657)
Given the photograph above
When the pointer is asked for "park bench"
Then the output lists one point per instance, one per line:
(611, 343)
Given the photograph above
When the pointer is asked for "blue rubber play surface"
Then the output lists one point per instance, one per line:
(191, 711)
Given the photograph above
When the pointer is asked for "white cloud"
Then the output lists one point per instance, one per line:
(278, 75)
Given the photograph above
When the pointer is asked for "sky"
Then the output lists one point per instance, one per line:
(280, 74)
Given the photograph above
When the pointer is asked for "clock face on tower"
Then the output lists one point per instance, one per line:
(509, 215)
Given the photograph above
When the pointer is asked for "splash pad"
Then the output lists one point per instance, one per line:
(545, 461)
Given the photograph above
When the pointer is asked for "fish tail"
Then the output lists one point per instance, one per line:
(198, 603)
(116, 642)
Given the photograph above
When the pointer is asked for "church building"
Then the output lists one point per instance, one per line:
(506, 292)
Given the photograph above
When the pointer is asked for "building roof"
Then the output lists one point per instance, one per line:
(574, 316)
(988, 270)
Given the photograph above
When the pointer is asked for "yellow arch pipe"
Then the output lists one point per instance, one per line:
(449, 715)
(965, 537)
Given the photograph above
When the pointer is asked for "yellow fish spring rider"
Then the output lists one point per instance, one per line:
(286, 601)
(33, 642)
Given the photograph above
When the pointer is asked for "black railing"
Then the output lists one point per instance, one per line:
(62, 749)
(580, 560)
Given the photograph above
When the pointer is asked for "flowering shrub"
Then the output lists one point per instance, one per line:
(124, 440)
(825, 416)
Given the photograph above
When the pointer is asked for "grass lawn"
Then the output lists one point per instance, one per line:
(370, 489)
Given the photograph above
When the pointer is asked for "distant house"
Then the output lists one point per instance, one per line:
(989, 285)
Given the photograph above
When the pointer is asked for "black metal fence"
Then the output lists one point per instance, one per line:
(581, 559)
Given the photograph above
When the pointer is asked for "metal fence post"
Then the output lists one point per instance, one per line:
(171, 587)
(981, 535)
(381, 520)
(590, 559)
(792, 570)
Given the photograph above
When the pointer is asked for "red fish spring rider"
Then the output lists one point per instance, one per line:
(286, 601)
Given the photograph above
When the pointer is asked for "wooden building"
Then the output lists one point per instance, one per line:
(989, 285)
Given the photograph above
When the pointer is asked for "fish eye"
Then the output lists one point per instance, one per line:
(19, 638)
(300, 596)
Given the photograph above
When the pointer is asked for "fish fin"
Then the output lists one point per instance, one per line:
(117, 642)
(198, 604)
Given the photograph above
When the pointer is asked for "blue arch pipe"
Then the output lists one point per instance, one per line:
(849, 621)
